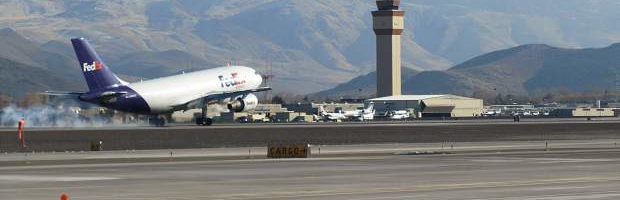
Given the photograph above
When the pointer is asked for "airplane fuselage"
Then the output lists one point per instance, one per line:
(163, 95)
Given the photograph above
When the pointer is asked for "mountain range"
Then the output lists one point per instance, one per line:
(525, 70)
(330, 41)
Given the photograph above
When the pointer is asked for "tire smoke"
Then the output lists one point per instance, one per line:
(61, 116)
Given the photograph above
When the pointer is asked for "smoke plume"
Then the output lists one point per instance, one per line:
(61, 116)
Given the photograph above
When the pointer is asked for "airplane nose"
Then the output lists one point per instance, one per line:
(259, 78)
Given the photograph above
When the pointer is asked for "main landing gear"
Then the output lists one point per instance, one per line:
(157, 121)
(203, 119)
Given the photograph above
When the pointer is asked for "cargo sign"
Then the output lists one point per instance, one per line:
(288, 151)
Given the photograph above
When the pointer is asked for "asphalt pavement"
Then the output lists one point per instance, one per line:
(577, 169)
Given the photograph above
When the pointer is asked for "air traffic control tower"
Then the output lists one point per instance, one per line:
(388, 26)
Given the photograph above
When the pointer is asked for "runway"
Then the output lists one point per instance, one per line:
(253, 135)
(399, 123)
(576, 169)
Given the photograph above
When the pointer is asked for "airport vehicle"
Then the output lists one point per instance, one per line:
(399, 114)
(492, 112)
(232, 86)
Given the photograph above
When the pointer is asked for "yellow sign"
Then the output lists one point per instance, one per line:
(288, 151)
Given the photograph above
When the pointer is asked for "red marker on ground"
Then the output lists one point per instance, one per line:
(64, 196)
(20, 132)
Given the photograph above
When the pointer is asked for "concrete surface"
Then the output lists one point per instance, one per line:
(576, 169)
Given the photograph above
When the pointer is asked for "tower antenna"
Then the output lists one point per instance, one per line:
(617, 85)
(268, 77)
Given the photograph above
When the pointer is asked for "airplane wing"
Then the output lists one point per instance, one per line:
(225, 95)
(200, 101)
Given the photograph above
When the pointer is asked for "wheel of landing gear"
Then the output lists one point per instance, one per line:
(204, 121)
(161, 122)
(157, 121)
(208, 122)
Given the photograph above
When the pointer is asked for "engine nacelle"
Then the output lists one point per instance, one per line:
(243, 103)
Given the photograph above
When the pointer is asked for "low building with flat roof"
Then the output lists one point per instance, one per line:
(584, 112)
(446, 105)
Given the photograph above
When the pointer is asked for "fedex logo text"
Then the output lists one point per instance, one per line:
(96, 65)
(230, 81)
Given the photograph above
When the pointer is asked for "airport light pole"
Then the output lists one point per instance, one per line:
(299, 110)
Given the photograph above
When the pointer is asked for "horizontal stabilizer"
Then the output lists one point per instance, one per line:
(62, 93)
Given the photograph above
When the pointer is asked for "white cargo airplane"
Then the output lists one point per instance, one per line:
(232, 86)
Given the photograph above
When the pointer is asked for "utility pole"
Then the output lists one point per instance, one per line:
(617, 86)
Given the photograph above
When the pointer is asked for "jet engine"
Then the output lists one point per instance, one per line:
(243, 103)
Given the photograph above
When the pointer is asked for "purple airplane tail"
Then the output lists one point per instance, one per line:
(98, 76)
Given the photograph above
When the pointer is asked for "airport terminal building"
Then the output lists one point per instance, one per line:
(430, 105)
